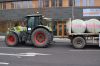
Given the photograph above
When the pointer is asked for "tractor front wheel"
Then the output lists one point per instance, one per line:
(41, 37)
(11, 39)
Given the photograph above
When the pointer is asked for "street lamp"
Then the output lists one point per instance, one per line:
(73, 4)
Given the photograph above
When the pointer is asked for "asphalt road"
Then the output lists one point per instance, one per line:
(59, 54)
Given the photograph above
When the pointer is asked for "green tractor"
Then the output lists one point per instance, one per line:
(36, 32)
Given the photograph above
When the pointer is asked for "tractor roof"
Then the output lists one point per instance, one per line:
(34, 15)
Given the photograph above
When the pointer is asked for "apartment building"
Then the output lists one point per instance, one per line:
(12, 11)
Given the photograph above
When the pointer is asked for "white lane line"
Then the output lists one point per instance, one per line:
(13, 48)
(22, 54)
(85, 50)
(3, 63)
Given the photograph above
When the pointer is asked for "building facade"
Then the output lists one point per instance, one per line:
(12, 11)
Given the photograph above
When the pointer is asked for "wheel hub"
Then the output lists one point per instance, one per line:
(40, 37)
(11, 39)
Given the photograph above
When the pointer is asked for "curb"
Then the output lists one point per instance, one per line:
(2, 38)
(61, 40)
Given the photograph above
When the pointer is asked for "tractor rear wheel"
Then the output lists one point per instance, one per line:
(11, 40)
(41, 38)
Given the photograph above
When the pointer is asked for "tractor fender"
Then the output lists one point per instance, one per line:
(42, 26)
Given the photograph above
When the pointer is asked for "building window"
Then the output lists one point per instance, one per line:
(22, 4)
(27, 4)
(8, 5)
(92, 3)
(1, 6)
(4, 5)
(84, 2)
(71, 2)
(54, 3)
(43, 3)
(60, 3)
(12, 5)
(46, 3)
(40, 3)
(17, 5)
(77, 2)
(57, 3)
(30, 4)
(88, 2)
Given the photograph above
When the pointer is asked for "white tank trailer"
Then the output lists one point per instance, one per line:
(81, 31)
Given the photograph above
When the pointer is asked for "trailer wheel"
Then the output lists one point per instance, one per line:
(11, 40)
(41, 38)
(78, 42)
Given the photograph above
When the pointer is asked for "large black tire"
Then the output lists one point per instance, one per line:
(41, 38)
(78, 42)
(11, 40)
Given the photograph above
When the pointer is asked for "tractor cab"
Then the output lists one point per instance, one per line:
(33, 21)
(37, 20)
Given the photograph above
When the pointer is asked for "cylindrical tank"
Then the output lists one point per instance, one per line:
(93, 25)
(78, 26)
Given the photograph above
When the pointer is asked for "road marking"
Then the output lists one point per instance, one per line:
(84, 50)
(13, 48)
(3, 63)
(23, 54)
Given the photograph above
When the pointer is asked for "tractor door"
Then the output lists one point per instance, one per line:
(30, 24)
(33, 22)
